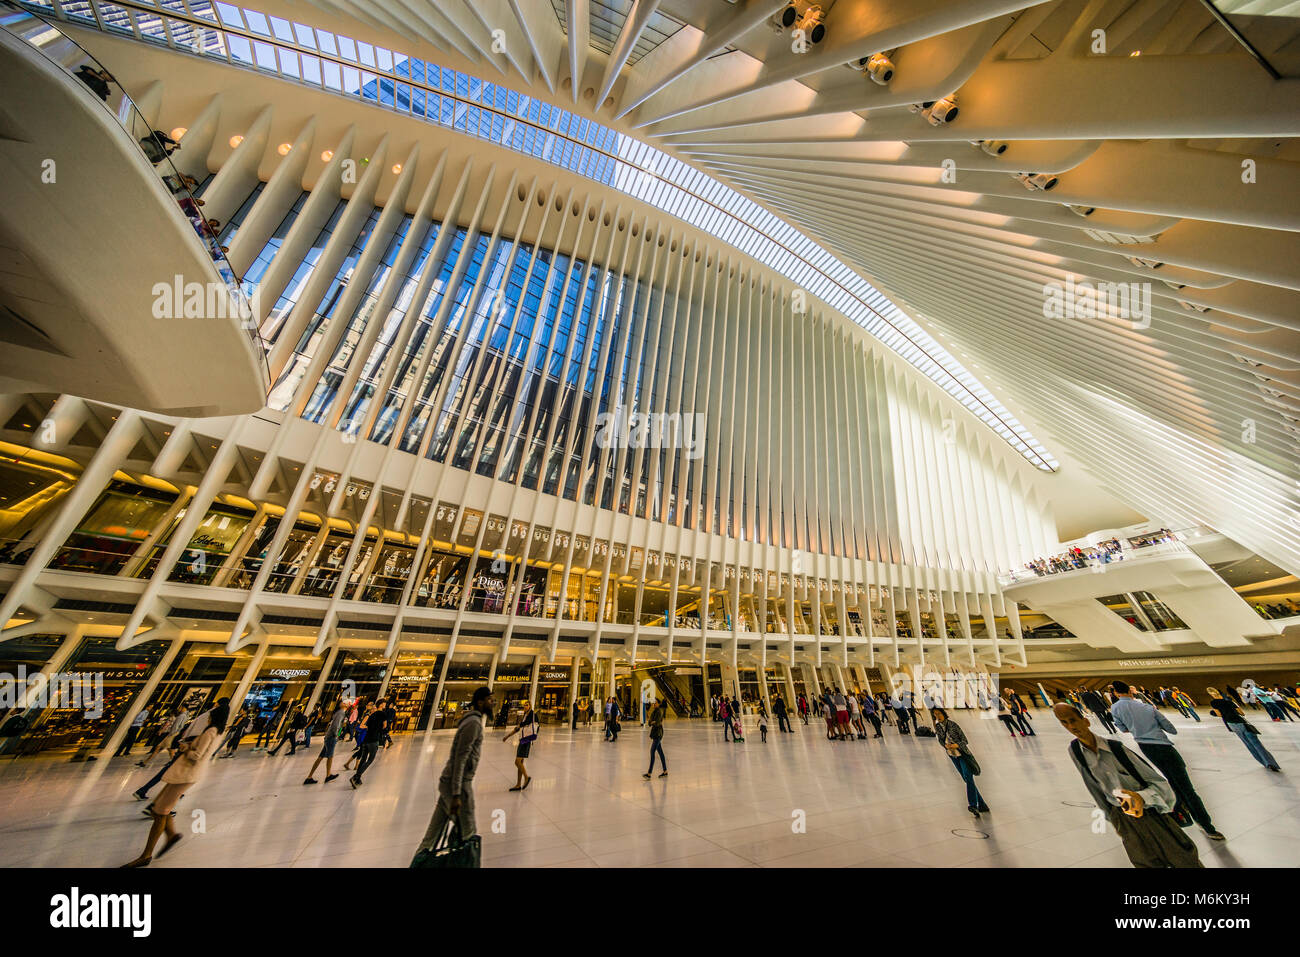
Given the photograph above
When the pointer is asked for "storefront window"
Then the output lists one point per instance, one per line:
(113, 528)
(105, 682)
(208, 548)
(389, 577)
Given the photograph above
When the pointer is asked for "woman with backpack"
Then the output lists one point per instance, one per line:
(527, 731)
(953, 739)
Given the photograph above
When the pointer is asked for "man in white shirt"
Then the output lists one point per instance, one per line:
(1134, 797)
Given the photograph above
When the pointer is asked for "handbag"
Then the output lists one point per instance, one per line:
(1251, 728)
(451, 850)
(531, 734)
(300, 737)
(972, 763)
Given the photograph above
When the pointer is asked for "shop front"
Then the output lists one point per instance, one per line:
(409, 689)
(80, 708)
(287, 676)
(553, 701)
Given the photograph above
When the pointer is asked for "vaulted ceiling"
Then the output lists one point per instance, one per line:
(995, 155)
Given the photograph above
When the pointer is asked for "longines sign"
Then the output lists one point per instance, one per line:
(1164, 662)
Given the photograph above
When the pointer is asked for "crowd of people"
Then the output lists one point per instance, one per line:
(1103, 553)
(1146, 794)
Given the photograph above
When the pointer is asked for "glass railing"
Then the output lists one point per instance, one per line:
(1095, 557)
(59, 48)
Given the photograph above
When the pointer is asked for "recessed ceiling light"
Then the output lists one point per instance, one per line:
(235, 141)
(327, 156)
(284, 148)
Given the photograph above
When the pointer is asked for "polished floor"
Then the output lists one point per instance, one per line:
(894, 802)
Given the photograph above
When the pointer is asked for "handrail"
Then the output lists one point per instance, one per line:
(42, 35)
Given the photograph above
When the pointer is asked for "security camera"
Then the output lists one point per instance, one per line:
(812, 23)
(879, 67)
(784, 18)
(942, 111)
(1084, 211)
(992, 147)
(1038, 181)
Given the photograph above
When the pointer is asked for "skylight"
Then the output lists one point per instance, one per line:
(522, 123)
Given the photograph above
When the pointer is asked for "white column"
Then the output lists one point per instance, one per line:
(532, 687)
(330, 657)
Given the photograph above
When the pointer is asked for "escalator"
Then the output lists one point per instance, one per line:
(684, 693)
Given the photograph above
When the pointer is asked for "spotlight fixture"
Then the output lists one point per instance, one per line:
(938, 112)
(1037, 181)
(284, 148)
(992, 147)
(326, 156)
(1145, 263)
(178, 133)
(879, 67)
(1084, 211)
(235, 141)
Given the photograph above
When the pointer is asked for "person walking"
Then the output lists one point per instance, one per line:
(1006, 717)
(656, 724)
(1236, 722)
(802, 707)
(376, 728)
(1150, 729)
(527, 730)
(191, 730)
(168, 738)
(782, 717)
(953, 739)
(237, 729)
(1135, 799)
(180, 775)
(297, 721)
(1097, 705)
(132, 733)
(612, 726)
(1020, 713)
(456, 783)
(333, 731)
(1186, 704)
(724, 715)
(574, 726)
(869, 709)
(900, 714)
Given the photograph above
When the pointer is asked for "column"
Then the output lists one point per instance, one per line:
(575, 666)
(532, 687)
(250, 674)
(330, 657)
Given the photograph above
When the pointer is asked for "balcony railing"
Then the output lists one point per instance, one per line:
(46, 38)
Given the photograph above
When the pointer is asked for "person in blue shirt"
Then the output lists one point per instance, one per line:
(1148, 727)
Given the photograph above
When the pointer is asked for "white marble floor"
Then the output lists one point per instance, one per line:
(895, 802)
